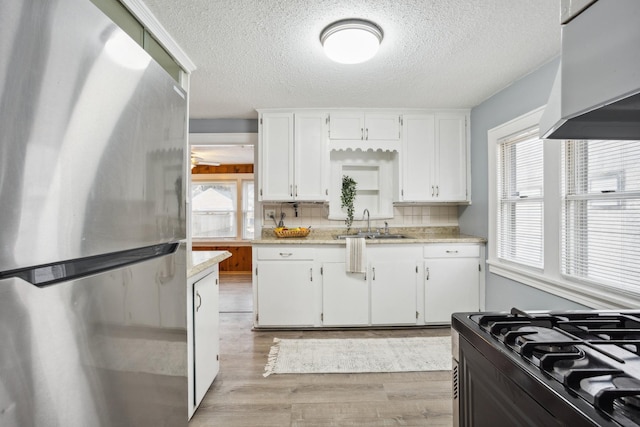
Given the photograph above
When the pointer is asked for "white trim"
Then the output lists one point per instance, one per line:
(548, 279)
(249, 138)
(149, 21)
(494, 136)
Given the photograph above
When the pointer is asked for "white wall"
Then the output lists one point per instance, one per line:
(522, 96)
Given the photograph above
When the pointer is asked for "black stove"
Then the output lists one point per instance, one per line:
(553, 368)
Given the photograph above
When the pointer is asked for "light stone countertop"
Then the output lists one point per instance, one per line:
(326, 236)
(199, 261)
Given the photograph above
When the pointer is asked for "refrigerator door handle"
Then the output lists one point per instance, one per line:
(49, 274)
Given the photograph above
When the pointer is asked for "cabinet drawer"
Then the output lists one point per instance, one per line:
(451, 251)
(285, 253)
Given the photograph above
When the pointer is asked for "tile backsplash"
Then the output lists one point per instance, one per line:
(316, 215)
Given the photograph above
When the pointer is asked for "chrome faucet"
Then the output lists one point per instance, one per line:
(366, 211)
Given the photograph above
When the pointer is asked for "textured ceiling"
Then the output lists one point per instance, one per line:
(435, 53)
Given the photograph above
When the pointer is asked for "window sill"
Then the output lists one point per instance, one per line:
(588, 295)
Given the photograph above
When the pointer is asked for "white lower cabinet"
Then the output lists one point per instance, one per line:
(285, 293)
(394, 286)
(452, 281)
(284, 278)
(203, 348)
(206, 334)
(345, 296)
(404, 284)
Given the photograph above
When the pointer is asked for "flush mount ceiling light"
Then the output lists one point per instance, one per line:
(351, 41)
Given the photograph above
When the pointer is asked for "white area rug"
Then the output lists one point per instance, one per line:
(307, 356)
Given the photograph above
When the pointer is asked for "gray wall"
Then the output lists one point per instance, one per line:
(524, 95)
(223, 126)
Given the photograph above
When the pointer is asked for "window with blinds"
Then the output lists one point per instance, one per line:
(601, 212)
(520, 199)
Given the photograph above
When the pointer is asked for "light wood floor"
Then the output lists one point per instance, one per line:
(241, 396)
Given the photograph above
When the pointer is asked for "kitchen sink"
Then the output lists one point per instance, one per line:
(373, 235)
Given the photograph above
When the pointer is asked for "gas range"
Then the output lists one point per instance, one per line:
(558, 368)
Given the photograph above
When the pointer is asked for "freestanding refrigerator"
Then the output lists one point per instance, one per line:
(92, 271)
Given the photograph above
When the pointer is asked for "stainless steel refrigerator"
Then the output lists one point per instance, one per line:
(92, 272)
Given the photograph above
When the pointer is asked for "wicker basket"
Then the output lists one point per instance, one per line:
(303, 232)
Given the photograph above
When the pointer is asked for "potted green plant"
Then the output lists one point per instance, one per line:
(348, 197)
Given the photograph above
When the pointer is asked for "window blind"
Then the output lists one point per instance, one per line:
(520, 199)
(601, 212)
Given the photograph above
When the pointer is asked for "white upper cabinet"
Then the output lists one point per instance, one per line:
(276, 156)
(381, 126)
(450, 171)
(293, 157)
(421, 155)
(346, 126)
(311, 158)
(358, 126)
(434, 158)
(418, 148)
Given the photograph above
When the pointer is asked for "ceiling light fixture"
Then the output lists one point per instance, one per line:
(351, 41)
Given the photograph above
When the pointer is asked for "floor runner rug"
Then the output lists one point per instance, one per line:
(313, 356)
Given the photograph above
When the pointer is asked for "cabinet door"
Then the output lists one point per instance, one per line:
(451, 154)
(276, 156)
(345, 296)
(285, 293)
(393, 292)
(380, 126)
(311, 159)
(418, 157)
(451, 285)
(347, 125)
(206, 334)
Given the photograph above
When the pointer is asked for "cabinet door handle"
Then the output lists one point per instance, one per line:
(199, 301)
(361, 133)
(296, 190)
(433, 190)
(290, 190)
(374, 274)
(452, 252)
(311, 274)
(285, 254)
(437, 191)
(427, 273)
(367, 134)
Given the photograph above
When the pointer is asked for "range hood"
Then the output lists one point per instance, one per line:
(596, 94)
